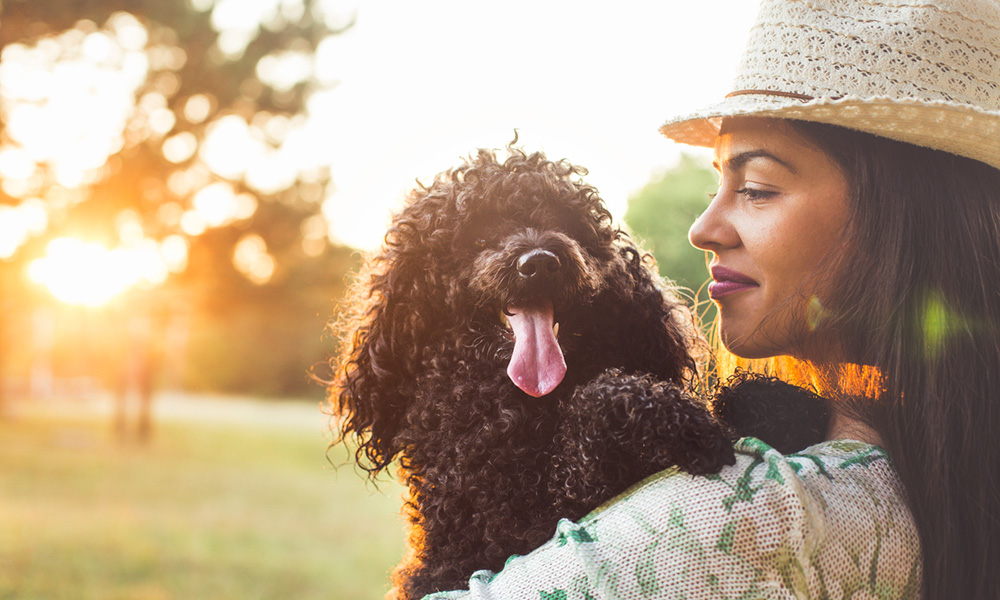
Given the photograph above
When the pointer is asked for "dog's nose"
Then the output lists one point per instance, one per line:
(537, 263)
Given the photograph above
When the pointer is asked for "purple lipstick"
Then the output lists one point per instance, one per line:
(728, 281)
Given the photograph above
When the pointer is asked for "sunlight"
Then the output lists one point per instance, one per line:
(217, 204)
(86, 273)
(46, 87)
(229, 147)
(19, 223)
(251, 258)
(284, 70)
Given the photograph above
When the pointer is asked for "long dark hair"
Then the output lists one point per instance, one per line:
(917, 300)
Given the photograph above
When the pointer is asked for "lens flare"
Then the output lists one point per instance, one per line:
(87, 273)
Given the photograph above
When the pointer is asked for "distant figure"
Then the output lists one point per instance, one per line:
(43, 330)
(136, 366)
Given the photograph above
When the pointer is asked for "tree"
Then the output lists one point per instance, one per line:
(660, 215)
(176, 133)
(205, 105)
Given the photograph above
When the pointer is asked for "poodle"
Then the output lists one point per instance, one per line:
(520, 358)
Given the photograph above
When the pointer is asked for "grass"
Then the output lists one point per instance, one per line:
(207, 510)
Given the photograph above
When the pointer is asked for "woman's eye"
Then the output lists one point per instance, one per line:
(753, 194)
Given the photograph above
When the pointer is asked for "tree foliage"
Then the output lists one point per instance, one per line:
(179, 130)
(190, 77)
(661, 213)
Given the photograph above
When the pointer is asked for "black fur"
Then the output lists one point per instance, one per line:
(423, 378)
(788, 418)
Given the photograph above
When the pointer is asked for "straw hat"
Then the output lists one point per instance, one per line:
(925, 72)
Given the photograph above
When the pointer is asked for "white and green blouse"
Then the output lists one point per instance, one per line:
(829, 522)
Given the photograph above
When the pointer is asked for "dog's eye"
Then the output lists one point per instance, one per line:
(480, 243)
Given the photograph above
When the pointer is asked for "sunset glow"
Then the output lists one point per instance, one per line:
(250, 257)
(46, 87)
(193, 194)
(87, 273)
(357, 124)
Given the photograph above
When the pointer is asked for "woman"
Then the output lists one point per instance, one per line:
(854, 244)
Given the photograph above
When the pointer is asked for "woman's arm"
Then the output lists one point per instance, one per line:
(826, 523)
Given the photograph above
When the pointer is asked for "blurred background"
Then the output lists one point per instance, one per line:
(186, 186)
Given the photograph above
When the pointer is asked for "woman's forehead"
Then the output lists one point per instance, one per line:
(744, 138)
(756, 131)
(731, 124)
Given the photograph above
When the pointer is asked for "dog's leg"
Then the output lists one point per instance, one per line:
(620, 428)
(786, 417)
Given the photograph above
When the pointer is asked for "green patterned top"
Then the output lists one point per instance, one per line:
(829, 522)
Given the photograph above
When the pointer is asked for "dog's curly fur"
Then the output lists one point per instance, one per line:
(422, 379)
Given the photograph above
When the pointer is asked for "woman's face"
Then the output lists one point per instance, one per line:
(781, 205)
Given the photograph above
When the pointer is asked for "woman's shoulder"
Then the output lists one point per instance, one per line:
(833, 514)
(831, 464)
(831, 517)
(762, 478)
(843, 478)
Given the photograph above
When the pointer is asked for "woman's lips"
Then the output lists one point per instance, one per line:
(728, 281)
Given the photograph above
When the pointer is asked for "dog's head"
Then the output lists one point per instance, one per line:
(512, 264)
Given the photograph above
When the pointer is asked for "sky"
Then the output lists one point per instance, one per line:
(422, 84)
(406, 92)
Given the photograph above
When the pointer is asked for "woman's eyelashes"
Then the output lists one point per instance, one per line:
(755, 194)
(751, 194)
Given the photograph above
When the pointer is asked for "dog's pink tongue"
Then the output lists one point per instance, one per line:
(537, 365)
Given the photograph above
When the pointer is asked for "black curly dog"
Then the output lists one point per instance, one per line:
(522, 361)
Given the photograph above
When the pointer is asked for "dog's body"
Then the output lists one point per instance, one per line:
(500, 427)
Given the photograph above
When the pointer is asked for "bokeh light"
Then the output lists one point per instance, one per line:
(19, 223)
(87, 273)
(197, 108)
(250, 256)
(182, 190)
(45, 87)
(179, 148)
(284, 70)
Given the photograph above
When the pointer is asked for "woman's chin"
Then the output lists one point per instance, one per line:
(745, 346)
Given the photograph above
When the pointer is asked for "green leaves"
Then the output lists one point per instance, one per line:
(662, 212)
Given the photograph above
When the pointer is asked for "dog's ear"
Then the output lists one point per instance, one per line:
(366, 394)
(385, 332)
(653, 332)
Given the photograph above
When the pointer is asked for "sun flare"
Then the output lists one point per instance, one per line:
(76, 271)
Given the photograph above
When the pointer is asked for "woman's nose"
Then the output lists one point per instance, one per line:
(713, 230)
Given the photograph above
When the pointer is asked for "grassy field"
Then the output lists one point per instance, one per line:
(243, 507)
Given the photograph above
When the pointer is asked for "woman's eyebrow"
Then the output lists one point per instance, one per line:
(739, 159)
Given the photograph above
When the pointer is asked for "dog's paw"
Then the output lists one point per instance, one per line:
(786, 417)
(619, 429)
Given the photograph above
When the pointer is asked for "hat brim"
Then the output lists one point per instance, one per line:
(951, 127)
